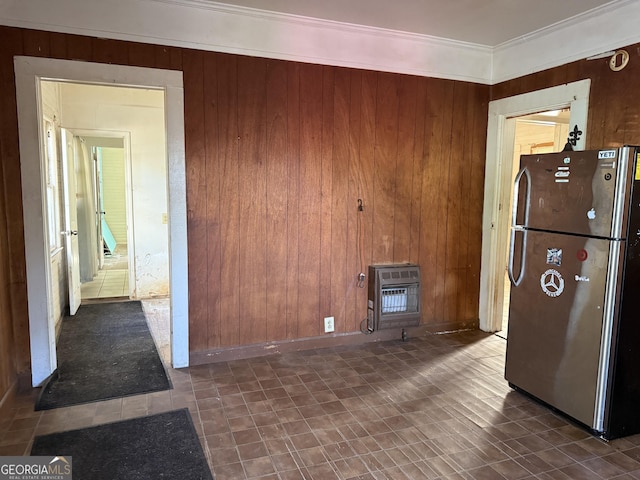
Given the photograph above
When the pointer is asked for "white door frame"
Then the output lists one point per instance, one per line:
(498, 178)
(28, 73)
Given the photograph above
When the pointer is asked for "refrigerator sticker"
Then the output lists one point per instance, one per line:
(554, 256)
(562, 175)
(581, 278)
(552, 283)
(606, 154)
(591, 214)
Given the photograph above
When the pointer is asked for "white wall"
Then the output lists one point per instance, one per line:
(141, 113)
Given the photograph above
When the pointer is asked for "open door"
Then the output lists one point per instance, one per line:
(70, 230)
(499, 182)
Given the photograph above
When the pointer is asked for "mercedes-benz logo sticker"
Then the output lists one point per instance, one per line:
(552, 283)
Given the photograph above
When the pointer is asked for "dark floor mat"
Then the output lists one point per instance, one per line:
(104, 351)
(158, 446)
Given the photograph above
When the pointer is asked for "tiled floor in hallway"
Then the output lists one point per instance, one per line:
(433, 407)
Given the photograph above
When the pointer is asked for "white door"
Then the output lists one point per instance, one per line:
(70, 231)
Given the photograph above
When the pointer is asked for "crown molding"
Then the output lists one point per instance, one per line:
(217, 27)
(213, 26)
(599, 30)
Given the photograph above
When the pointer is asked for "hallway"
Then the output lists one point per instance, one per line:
(435, 407)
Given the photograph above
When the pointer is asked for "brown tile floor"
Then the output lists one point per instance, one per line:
(433, 407)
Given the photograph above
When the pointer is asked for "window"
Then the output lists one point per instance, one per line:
(52, 190)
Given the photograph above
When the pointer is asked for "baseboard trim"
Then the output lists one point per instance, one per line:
(325, 341)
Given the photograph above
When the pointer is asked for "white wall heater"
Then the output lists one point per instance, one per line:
(394, 296)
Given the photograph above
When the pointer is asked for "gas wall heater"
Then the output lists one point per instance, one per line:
(394, 296)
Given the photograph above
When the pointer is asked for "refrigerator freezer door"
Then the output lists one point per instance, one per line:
(555, 322)
(572, 192)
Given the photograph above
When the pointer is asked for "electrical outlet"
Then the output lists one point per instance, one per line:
(328, 325)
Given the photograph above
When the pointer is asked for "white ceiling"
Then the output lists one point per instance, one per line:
(483, 22)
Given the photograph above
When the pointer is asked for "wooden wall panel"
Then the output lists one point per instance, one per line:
(403, 214)
(277, 199)
(58, 45)
(457, 214)
(432, 178)
(8, 368)
(229, 184)
(213, 201)
(252, 198)
(442, 159)
(36, 43)
(366, 190)
(326, 187)
(475, 160)
(418, 169)
(106, 50)
(352, 266)
(340, 200)
(143, 55)
(385, 160)
(15, 325)
(306, 195)
(297, 77)
(80, 48)
(195, 150)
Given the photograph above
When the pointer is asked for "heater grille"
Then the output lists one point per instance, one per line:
(394, 300)
(394, 296)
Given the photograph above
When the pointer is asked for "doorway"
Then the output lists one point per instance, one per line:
(536, 133)
(29, 72)
(498, 183)
(110, 155)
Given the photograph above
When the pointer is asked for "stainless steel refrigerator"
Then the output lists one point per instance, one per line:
(574, 315)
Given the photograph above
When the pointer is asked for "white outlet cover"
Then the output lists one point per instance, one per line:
(328, 325)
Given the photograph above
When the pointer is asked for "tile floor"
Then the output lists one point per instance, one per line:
(112, 281)
(107, 284)
(435, 407)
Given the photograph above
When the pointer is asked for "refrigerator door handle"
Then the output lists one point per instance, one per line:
(514, 230)
(524, 172)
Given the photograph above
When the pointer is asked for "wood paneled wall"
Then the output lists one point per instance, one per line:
(278, 154)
